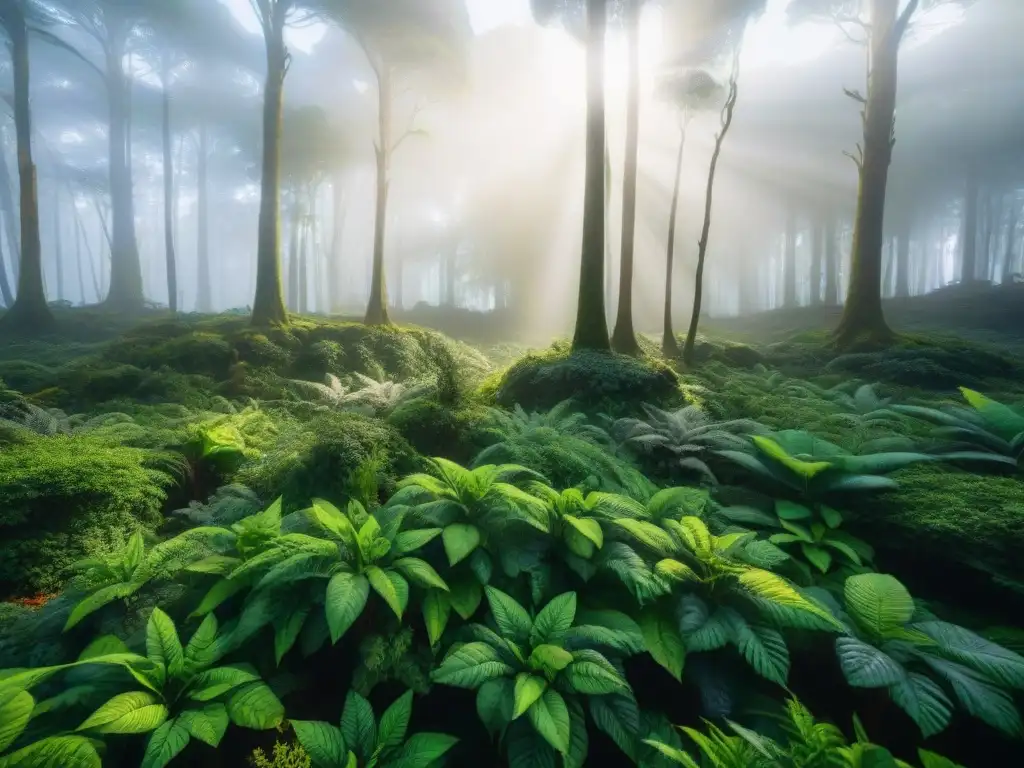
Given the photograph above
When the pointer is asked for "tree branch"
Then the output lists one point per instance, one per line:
(411, 130)
(904, 20)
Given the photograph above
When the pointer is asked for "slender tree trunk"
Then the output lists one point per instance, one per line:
(831, 261)
(337, 235)
(58, 245)
(1011, 239)
(591, 325)
(969, 247)
(816, 260)
(609, 264)
(204, 283)
(268, 304)
(303, 303)
(624, 338)
(172, 269)
(862, 314)
(293, 257)
(702, 245)
(789, 298)
(377, 307)
(669, 345)
(449, 273)
(125, 293)
(10, 214)
(902, 256)
(29, 312)
(89, 256)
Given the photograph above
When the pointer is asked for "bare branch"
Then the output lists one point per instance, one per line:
(855, 95)
(411, 130)
(904, 20)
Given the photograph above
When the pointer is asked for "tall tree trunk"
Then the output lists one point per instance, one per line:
(702, 245)
(816, 259)
(29, 313)
(1009, 267)
(862, 314)
(624, 338)
(80, 226)
(58, 245)
(125, 293)
(902, 256)
(268, 304)
(609, 263)
(985, 260)
(337, 234)
(293, 257)
(172, 269)
(304, 238)
(969, 246)
(591, 325)
(669, 345)
(789, 298)
(449, 273)
(377, 307)
(204, 282)
(10, 214)
(6, 297)
(831, 261)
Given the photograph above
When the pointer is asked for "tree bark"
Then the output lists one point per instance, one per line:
(293, 258)
(377, 307)
(10, 216)
(862, 314)
(969, 246)
(902, 256)
(669, 345)
(1011, 239)
(334, 272)
(172, 269)
(204, 284)
(591, 325)
(58, 245)
(702, 245)
(816, 260)
(29, 312)
(125, 293)
(304, 238)
(831, 261)
(789, 297)
(268, 305)
(623, 337)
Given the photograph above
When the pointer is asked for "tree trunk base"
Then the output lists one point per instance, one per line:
(854, 333)
(670, 347)
(624, 342)
(377, 315)
(27, 320)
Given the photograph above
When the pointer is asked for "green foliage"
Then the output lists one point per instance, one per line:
(372, 398)
(363, 741)
(283, 756)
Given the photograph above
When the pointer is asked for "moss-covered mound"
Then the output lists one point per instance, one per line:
(67, 495)
(594, 379)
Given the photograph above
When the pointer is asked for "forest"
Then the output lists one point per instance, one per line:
(514, 383)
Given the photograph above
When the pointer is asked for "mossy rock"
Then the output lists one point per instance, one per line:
(317, 458)
(64, 496)
(593, 379)
(435, 429)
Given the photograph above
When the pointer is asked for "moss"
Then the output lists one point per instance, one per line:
(435, 429)
(593, 379)
(316, 458)
(63, 496)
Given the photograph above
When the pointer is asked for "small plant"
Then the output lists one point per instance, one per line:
(372, 398)
(283, 756)
(362, 741)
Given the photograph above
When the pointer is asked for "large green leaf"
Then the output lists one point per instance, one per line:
(604, 630)
(470, 665)
(1003, 420)
(395, 722)
(593, 675)
(358, 725)
(579, 741)
(866, 666)
(218, 681)
(322, 741)
(437, 607)
(959, 644)
(208, 724)
(466, 596)
(55, 752)
(460, 539)
(334, 521)
(255, 706)
(878, 602)
(527, 749)
(674, 755)
(805, 469)
(979, 696)
(217, 594)
(619, 717)
(790, 510)
(201, 650)
(494, 701)
(164, 744)
(528, 689)
(881, 463)
(420, 572)
(98, 599)
(549, 716)
(345, 600)
(925, 702)
(554, 619)
(513, 621)
(648, 534)
(15, 712)
(392, 588)
(287, 629)
(132, 712)
(423, 750)
(663, 642)
(162, 644)
(410, 541)
(764, 649)
(551, 659)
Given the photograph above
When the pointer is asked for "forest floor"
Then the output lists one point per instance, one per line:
(107, 428)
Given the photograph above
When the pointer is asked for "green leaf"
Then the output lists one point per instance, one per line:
(526, 749)
(878, 602)
(333, 520)
(133, 712)
(162, 644)
(771, 586)
(817, 557)
(765, 650)
(677, 756)
(217, 594)
(358, 725)
(593, 675)
(932, 760)
(466, 596)
(420, 572)
(865, 666)
(410, 541)
(55, 752)
(344, 603)
(15, 712)
(550, 658)
(388, 586)
(394, 722)
(619, 717)
(673, 570)
(218, 681)
(460, 539)
(663, 642)
(648, 534)
(833, 517)
(322, 741)
(97, 600)
(208, 724)
(286, 631)
(554, 619)
(470, 665)
(549, 716)
(579, 742)
(437, 607)
(714, 633)
(164, 744)
(925, 702)
(423, 750)
(588, 528)
(255, 706)
(979, 696)
(789, 510)
(494, 701)
(201, 650)
(527, 690)
(513, 621)
(608, 629)
(959, 644)
(805, 469)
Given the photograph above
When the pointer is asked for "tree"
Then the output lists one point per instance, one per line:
(688, 91)
(884, 27)
(29, 311)
(702, 246)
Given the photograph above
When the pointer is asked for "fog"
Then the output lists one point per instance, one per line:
(486, 196)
